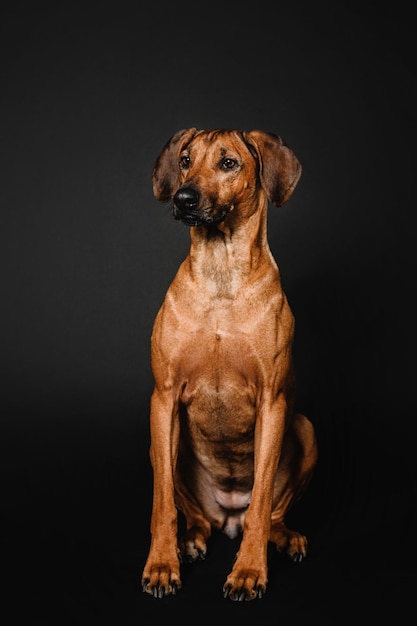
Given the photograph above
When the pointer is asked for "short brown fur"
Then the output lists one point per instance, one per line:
(227, 448)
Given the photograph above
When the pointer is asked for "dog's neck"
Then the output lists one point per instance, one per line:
(226, 256)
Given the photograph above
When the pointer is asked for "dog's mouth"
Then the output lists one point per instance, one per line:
(207, 218)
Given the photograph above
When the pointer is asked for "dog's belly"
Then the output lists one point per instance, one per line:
(221, 479)
(217, 430)
(220, 419)
(233, 506)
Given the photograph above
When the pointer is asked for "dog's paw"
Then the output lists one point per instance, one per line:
(193, 545)
(158, 590)
(243, 586)
(160, 580)
(292, 543)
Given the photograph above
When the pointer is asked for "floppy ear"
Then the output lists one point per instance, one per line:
(279, 168)
(165, 171)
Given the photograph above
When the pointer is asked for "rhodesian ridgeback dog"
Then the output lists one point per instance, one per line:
(227, 448)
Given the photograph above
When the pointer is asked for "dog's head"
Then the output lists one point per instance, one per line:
(210, 173)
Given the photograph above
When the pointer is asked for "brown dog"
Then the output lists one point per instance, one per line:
(226, 446)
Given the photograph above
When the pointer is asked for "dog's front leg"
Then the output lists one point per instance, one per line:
(161, 574)
(249, 576)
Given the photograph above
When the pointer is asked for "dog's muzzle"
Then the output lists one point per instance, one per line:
(188, 208)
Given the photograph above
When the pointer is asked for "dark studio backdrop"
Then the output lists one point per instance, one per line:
(89, 96)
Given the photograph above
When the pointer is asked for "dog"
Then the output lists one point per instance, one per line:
(227, 448)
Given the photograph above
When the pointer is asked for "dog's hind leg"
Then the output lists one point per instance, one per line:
(298, 458)
(192, 543)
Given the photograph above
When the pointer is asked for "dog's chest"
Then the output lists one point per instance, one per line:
(218, 353)
(217, 365)
(218, 358)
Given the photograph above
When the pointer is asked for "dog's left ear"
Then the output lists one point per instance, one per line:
(165, 174)
(279, 168)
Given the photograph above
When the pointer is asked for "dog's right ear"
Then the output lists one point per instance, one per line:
(165, 174)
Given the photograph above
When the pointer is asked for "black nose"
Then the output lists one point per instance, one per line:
(186, 198)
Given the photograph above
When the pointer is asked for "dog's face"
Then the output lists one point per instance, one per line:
(216, 172)
(209, 174)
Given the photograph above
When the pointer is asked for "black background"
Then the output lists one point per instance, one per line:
(89, 96)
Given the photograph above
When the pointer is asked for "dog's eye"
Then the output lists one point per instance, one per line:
(228, 164)
(185, 162)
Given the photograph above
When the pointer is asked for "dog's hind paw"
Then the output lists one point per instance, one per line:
(193, 545)
(297, 557)
(289, 541)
